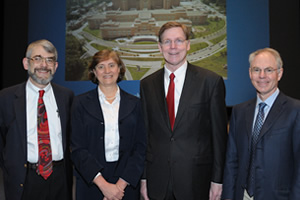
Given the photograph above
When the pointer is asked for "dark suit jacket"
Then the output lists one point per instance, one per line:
(193, 154)
(13, 139)
(88, 152)
(277, 152)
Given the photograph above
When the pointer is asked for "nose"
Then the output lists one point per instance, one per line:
(262, 73)
(44, 62)
(172, 45)
(106, 69)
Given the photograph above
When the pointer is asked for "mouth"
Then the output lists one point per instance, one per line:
(107, 76)
(262, 83)
(173, 54)
(43, 70)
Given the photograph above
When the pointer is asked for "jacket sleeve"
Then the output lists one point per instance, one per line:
(85, 163)
(136, 160)
(219, 128)
(231, 164)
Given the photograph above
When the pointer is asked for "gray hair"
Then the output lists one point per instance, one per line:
(273, 52)
(47, 45)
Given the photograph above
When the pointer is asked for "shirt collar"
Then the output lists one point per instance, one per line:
(103, 98)
(270, 100)
(35, 89)
(180, 72)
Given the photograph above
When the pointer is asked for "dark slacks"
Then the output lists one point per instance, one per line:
(54, 188)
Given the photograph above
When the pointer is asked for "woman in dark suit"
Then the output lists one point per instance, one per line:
(108, 135)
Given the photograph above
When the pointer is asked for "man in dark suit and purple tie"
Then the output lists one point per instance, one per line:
(186, 124)
(263, 151)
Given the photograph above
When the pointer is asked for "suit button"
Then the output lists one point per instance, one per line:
(21, 185)
(25, 165)
(172, 139)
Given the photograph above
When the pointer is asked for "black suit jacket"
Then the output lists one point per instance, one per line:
(88, 148)
(193, 154)
(277, 174)
(13, 138)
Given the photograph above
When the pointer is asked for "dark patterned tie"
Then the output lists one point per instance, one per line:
(170, 100)
(255, 133)
(45, 155)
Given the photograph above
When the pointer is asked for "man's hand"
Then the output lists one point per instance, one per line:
(143, 190)
(215, 191)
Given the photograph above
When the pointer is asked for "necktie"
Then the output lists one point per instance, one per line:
(255, 133)
(45, 155)
(170, 100)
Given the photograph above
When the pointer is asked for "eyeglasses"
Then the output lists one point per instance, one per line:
(101, 66)
(39, 59)
(177, 42)
(268, 70)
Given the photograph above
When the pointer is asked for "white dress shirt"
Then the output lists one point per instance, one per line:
(111, 124)
(32, 95)
(178, 82)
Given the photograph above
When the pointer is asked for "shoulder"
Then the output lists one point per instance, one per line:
(59, 88)
(288, 101)
(201, 72)
(153, 77)
(127, 96)
(91, 94)
(12, 91)
(242, 106)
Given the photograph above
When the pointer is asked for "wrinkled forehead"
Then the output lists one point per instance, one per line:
(264, 60)
(174, 32)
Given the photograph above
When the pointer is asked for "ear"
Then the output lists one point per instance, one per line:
(280, 73)
(188, 45)
(56, 65)
(25, 63)
(160, 47)
(250, 72)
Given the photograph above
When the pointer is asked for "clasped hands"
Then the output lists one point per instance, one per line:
(109, 190)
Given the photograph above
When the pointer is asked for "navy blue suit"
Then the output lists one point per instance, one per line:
(13, 138)
(277, 170)
(87, 143)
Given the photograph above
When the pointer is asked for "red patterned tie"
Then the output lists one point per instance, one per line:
(170, 100)
(45, 155)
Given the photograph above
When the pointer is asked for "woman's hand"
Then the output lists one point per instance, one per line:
(110, 191)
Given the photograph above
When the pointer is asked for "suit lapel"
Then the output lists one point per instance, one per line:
(126, 105)
(186, 94)
(274, 113)
(160, 97)
(20, 113)
(249, 115)
(92, 104)
(60, 102)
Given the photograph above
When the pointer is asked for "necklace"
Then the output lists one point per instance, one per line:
(110, 98)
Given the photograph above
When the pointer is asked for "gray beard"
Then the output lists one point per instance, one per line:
(39, 80)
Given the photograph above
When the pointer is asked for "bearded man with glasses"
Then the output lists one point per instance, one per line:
(34, 134)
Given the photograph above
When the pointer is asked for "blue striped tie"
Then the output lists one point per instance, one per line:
(255, 133)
